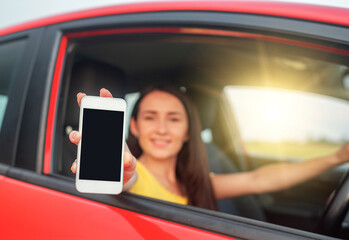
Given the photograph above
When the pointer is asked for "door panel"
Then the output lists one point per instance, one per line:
(50, 214)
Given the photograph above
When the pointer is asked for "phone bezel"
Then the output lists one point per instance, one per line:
(99, 186)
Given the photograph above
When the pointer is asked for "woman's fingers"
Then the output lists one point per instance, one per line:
(75, 137)
(129, 166)
(79, 97)
(73, 167)
(343, 154)
(130, 163)
(102, 93)
(105, 93)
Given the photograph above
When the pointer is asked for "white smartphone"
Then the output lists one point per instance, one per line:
(100, 165)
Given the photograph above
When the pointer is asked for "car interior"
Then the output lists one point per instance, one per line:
(204, 66)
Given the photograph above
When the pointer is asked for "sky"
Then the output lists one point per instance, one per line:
(19, 11)
(14, 12)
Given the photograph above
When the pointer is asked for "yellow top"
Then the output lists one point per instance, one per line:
(147, 185)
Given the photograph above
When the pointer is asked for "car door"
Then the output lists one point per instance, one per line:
(43, 201)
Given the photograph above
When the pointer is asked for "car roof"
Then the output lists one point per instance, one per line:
(18, 12)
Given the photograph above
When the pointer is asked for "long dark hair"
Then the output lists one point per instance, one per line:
(192, 170)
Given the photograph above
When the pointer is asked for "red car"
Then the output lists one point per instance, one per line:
(271, 82)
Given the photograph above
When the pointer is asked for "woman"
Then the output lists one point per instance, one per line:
(166, 140)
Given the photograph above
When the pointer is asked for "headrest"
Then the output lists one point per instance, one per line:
(89, 76)
(206, 105)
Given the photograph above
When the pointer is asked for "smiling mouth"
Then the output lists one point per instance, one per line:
(160, 142)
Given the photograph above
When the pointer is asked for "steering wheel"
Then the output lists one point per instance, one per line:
(335, 209)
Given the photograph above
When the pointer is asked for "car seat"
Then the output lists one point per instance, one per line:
(220, 163)
(87, 76)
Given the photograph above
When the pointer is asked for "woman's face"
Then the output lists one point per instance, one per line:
(161, 126)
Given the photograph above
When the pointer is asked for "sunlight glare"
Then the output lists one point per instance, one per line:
(273, 114)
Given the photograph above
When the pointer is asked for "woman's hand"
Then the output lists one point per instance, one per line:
(130, 174)
(342, 155)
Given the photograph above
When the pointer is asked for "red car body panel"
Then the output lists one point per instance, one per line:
(290, 10)
(63, 216)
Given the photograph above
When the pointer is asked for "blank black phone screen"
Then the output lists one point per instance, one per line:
(101, 143)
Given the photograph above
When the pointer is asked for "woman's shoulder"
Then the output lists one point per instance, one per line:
(147, 185)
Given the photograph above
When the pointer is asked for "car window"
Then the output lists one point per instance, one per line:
(10, 53)
(285, 124)
(269, 86)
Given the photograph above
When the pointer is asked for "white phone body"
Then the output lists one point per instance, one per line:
(100, 165)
